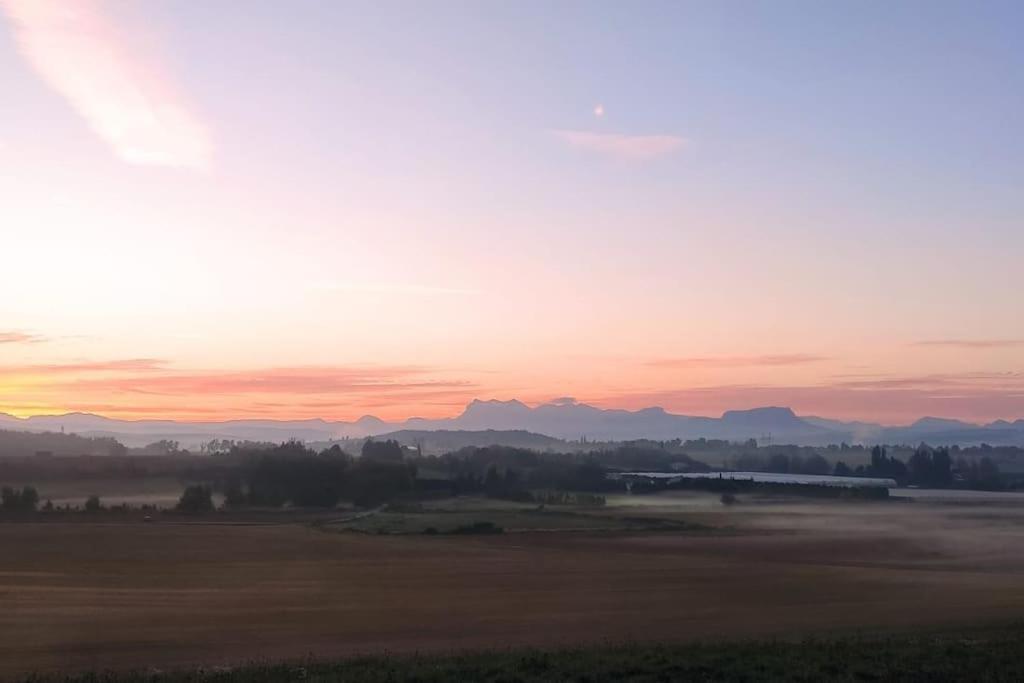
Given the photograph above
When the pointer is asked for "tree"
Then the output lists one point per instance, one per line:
(942, 471)
(10, 500)
(383, 451)
(920, 466)
(815, 464)
(988, 474)
(13, 500)
(234, 495)
(29, 499)
(493, 482)
(93, 504)
(164, 447)
(196, 499)
(778, 462)
(842, 470)
(372, 483)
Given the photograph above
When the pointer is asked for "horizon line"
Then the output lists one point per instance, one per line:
(558, 402)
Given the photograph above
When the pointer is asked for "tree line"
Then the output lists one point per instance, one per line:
(927, 466)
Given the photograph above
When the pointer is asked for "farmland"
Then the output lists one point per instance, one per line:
(112, 591)
(989, 654)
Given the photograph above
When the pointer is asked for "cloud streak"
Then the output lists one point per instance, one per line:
(148, 387)
(781, 360)
(973, 344)
(285, 381)
(125, 96)
(388, 288)
(44, 370)
(622, 146)
(20, 338)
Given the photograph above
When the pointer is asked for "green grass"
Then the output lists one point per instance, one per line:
(981, 655)
(511, 520)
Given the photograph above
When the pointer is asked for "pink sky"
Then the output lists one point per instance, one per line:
(314, 212)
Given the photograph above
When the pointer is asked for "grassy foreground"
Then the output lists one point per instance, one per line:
(982, 655)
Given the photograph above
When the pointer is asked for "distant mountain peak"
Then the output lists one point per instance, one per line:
(497, 402)
(653, 410)
(764, 413)
(564, 418)
(478, 406)
(929, 422)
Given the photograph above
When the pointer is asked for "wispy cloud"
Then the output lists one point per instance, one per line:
(125, 96)
(738, 361)
(20, 338)
(388, 288)
(82, 367)
(285, 381)
(622, 146)
(972, 343)
(1010, 381)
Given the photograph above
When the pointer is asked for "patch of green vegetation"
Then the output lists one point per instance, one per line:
(409, 520)
(986, 655)
(478, 528)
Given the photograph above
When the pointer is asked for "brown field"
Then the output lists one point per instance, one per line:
(118, 593)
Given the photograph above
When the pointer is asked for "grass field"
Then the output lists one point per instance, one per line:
(113, 592)
(451, 515)
(972, 655)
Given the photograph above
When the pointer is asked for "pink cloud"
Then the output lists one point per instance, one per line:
(146, 387)
(738, 361)
(287, 381)
(622, 146)
(123, 94)
(973, 343)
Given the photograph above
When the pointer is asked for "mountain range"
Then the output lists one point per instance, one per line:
(561, 419)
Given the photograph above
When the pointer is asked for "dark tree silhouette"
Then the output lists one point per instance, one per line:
(196, 499)
(13, 500)
(383, 451)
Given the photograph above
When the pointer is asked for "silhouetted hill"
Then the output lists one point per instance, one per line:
(446, 440)
(764, 418)
(564, 419)
(23, 443)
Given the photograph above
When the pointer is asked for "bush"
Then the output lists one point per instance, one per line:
(196, 499)
(478, 528)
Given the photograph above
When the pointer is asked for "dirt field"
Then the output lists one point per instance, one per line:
(123, 594)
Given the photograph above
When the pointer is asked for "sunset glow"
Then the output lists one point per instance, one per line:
(302, 210)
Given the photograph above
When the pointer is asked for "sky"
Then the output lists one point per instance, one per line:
(327, 209)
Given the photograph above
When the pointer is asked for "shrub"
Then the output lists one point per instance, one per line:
(196, 499)
(478, 528)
